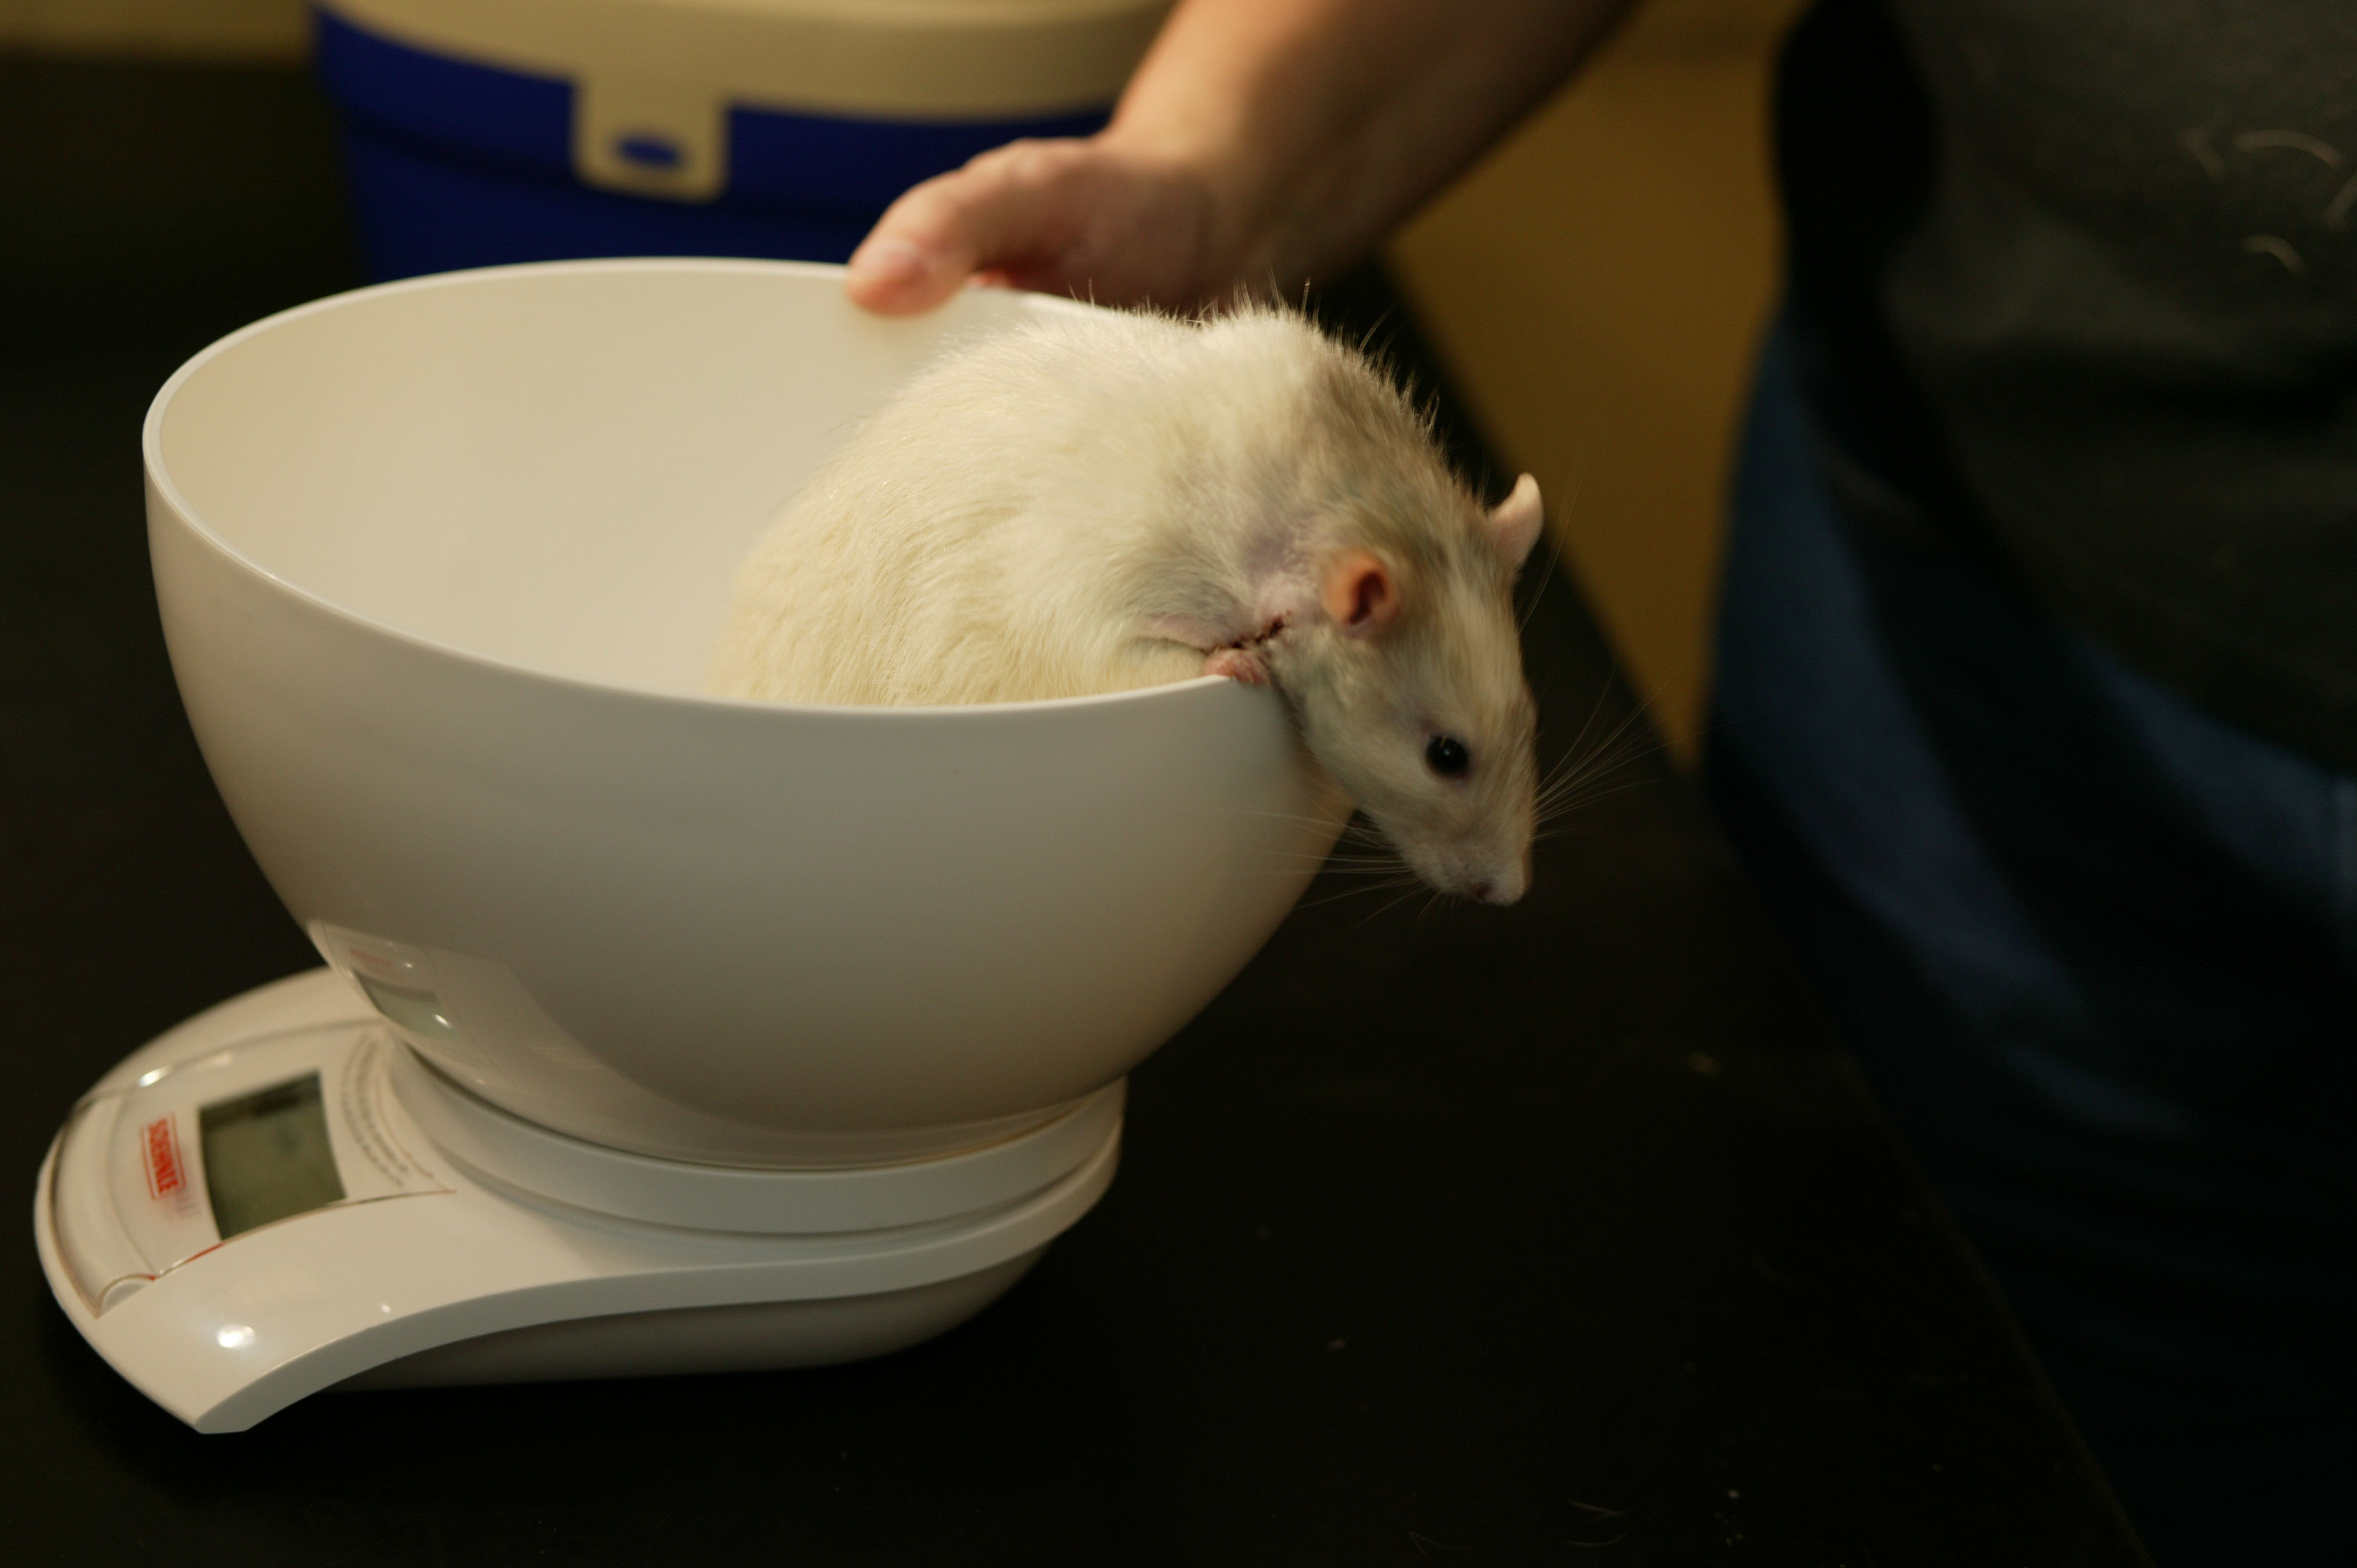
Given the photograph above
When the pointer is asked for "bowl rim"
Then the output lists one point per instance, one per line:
(159, 477)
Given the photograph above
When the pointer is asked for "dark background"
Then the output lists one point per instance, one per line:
(1562, 1233)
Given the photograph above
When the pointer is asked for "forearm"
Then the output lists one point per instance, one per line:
(1261, 143)
(1317, 124)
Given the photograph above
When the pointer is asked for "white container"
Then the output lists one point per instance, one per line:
(440, 564)
(489, 131)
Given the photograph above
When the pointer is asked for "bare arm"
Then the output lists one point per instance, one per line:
(1260, 143)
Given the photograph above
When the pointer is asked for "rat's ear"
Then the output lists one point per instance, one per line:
(1514, 522)
(1359, 593)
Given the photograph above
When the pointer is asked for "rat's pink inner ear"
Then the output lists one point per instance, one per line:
(1359, 594)
(1514, 522)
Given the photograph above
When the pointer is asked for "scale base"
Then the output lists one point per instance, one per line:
(749, 1336)
(439, 1241)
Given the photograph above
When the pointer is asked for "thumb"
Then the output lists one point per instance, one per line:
(1006, 207)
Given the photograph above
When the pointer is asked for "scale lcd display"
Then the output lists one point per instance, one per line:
(267, 1155)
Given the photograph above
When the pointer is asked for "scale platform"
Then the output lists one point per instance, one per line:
(278, 1198)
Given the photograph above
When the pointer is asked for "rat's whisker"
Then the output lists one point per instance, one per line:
(1583, 792)
(1584, 757)
(1602, 764)
(1361, 891)
(1546, 580)
(1603, 694)
(1556, 548)
(1394, 903)
(1553, 824)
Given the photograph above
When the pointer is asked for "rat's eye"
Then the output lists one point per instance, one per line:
(1447, 756)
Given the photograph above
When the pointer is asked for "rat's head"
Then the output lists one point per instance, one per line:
(1406, 673)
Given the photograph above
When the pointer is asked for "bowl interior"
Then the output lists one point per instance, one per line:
(738, 932)
(476, 466)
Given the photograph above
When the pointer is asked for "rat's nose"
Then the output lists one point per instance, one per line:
(1503, 889)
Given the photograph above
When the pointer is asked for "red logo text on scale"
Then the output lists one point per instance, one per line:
(165, 1174)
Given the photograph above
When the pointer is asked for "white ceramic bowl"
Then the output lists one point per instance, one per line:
(440, 565)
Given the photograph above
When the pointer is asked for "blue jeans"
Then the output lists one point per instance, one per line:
(2096, 952)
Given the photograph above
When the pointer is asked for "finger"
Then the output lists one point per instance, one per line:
(1001, 206)
(907, 263)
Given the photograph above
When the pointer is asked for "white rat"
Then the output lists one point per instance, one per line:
(1095, 502)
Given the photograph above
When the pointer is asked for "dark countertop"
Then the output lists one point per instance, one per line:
(1554, 1234)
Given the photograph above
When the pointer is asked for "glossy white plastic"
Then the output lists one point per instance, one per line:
(440, 565)
(444, 1276)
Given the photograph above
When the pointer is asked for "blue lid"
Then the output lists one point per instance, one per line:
(499, 115)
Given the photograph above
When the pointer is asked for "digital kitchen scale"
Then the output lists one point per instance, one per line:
(278, 1198)
(662, 1031)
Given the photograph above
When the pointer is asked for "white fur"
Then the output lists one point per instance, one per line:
(1004, 529)
(1097, 503)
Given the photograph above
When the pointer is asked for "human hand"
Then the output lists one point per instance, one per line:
(1081, 217)
(1261, 144)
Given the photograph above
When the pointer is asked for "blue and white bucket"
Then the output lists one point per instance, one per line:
(480, 132)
